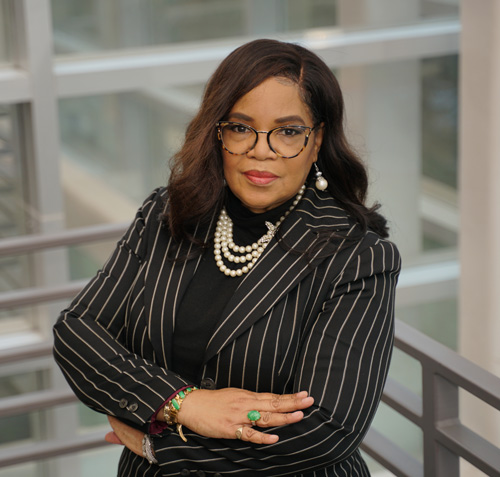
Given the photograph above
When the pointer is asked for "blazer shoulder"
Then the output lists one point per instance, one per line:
(386, 249)
(342, 234)
(321, 212)
(146, 222)
(153, 206)
(372, 255)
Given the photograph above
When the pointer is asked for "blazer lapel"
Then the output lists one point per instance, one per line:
(279, 269)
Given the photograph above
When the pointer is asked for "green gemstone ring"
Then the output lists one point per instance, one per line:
(253, 416)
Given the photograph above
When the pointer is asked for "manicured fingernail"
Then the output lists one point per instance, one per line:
(302, 394)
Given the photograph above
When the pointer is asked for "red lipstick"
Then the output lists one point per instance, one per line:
(260, 177)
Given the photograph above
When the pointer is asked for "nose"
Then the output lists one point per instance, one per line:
(261, 150)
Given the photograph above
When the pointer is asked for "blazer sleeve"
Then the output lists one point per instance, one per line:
(343, 363)
(89, 338)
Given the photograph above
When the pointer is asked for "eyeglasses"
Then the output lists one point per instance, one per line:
(284, 141)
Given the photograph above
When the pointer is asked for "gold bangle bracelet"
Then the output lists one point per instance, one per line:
(172, 408)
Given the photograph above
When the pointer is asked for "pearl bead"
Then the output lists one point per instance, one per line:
(249, 254)
(321, 183)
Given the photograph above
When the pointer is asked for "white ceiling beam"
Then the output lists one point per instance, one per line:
(172, 65)
(128, 70)
(15, 86)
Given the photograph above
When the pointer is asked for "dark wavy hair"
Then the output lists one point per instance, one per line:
(196, 185)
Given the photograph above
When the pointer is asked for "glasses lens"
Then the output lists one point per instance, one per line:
(288, 141)
(238, 138)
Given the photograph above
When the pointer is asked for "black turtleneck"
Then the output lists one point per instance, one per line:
(210, 290)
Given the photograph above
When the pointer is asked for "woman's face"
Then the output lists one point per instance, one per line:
(260, 178)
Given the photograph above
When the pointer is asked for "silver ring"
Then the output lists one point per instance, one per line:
(239, 432)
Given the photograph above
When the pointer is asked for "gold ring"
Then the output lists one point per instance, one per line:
(239, 432)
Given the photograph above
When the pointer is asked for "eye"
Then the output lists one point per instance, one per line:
(238, 128)
(291, 131)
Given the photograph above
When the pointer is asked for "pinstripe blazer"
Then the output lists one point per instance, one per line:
(321, 322)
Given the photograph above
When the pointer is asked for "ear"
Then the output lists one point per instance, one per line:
(318, 138)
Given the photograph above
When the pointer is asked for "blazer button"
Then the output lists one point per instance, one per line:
(200, 473)
(123, 403)
(133, 407)
(207, 383)
(217, 474)
(185, 472)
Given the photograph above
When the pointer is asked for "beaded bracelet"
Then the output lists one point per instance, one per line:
(173, 407)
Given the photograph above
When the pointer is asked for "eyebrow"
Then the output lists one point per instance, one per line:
(292, 119)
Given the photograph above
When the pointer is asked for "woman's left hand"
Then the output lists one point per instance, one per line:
(125, 435)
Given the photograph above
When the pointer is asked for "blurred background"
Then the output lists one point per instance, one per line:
(94, 100)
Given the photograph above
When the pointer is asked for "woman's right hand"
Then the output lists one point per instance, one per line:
(221, 412)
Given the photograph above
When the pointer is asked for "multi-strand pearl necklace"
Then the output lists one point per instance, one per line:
(225, 248)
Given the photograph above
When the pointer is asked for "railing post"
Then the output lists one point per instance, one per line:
(445, 409)
(440, 404)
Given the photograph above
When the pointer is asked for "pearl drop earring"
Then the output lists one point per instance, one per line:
(321, 182)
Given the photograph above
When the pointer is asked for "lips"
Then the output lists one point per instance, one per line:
(260, 177)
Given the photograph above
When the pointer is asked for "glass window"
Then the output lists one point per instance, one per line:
(437, 318)
(402, 118)
(119, 146)
(115, 151)
(5, 32)
(13, 217)
(12, 209)
(94, 25)
(18, 325)
(385, 13)
(25, 426)
(439, 121)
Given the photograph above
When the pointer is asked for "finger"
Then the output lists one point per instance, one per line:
(112, 438)
(249, 434)
(284, 403)
(128, 436)
(271, 419)
(299, 395)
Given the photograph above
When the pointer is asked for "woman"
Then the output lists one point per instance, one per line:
(288, 334)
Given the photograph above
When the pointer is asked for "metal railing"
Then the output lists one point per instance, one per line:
(436, 412)
(33, 243)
